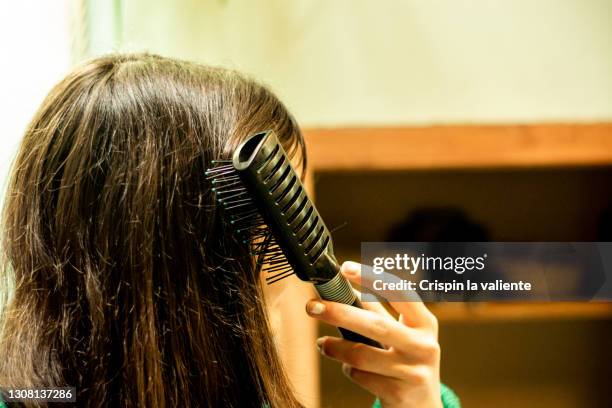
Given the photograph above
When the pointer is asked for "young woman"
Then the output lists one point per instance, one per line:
(124, 281)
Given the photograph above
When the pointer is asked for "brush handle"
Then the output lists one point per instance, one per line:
(339, 290)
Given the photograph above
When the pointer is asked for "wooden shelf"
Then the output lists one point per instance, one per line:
(492, 312)
(465, 146)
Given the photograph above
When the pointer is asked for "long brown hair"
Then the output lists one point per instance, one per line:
(124, 280)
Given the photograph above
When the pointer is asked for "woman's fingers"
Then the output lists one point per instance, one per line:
(408, 304)
(377, 384)
(370, 324)
(407, 373)
(363, 357)
(376, 307)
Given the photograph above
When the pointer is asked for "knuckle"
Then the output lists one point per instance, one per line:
(431, 349)
(419, 375)
(354, 356)
(380, 326)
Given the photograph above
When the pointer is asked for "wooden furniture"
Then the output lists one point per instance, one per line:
(435, 147)
(564, 174)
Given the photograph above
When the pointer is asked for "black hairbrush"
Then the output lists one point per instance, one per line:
(267, 205)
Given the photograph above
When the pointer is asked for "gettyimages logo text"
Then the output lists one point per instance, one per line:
(412, 264)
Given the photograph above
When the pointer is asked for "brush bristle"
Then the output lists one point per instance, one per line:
(247, 222)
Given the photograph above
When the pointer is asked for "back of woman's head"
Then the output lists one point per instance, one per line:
(125, 282)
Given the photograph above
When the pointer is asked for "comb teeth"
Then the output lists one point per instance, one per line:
(264, 200)
(244, 217)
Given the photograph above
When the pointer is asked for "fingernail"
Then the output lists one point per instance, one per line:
(346, 369)
(350, 268)
(316, 308)
(320, 342)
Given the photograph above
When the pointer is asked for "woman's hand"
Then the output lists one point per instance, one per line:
(404, 374)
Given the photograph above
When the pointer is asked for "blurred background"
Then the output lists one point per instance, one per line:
(425, 120)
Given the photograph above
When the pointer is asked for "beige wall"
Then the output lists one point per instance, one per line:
(35, 46)
(355, 62)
